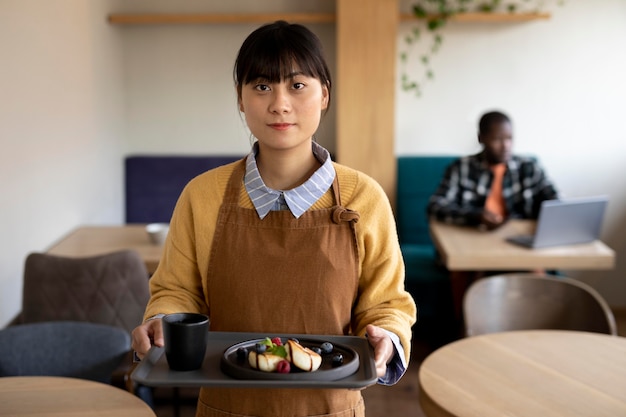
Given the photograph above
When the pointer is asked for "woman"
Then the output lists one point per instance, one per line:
(285, 240)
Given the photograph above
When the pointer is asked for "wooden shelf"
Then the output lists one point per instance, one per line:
(196, 18)
(487, 17)
(212, 18)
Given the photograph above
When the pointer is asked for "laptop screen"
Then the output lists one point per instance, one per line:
(571, 221)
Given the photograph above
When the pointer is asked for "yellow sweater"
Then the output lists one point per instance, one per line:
(179, 283)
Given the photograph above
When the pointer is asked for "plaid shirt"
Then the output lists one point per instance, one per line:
(462, 192)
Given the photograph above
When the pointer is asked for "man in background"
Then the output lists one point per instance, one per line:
(494, 185)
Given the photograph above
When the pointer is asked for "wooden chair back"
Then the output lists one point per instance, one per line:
(533, 301)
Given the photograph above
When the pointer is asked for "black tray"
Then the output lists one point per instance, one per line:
(153, 370)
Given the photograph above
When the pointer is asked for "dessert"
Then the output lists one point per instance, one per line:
(270, 355)
(302, 357)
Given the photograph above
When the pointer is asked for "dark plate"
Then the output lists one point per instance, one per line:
(239, 369)
(153, 370)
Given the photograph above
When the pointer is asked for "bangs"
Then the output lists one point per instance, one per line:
(274, 63)
(276, 67)
(275, 52)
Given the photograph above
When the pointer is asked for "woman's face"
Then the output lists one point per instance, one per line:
(285, 114)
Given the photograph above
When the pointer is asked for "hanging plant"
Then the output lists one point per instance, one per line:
(432, 16)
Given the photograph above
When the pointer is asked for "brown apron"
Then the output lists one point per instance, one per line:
(282, 275)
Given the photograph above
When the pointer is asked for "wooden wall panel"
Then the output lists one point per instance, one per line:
(365, 87)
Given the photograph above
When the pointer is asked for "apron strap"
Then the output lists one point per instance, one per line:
(342, 214)
(234, 183)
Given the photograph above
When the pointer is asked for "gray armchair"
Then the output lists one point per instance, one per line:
(110, 289)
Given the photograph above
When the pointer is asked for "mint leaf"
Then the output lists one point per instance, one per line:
(278, 351)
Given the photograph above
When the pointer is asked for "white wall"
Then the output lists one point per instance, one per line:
(180, 91)
(562, 82)
(79, 94)
(61, 128)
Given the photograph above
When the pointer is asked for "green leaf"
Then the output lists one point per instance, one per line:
(278, 351)
(406, 85)
(419, 11)
(434, 24)
(437, 41)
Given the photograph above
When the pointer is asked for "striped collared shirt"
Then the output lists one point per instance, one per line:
(297, 200)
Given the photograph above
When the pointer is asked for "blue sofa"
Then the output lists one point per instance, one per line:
(154, 182)
(426, 280)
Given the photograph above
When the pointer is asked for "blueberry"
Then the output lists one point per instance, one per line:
(242, 354)
(294, 339)
(326, 347)
(260, 347)
(337, 359)
(316, 350)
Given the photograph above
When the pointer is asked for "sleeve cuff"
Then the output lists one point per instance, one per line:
(397, 366)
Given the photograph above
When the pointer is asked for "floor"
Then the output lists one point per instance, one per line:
(400, 400)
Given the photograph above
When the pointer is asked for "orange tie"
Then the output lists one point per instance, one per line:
(495, 200)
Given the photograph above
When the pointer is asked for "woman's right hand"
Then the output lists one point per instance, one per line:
(147, 334)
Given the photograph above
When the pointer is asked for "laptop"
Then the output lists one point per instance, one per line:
(566, 222)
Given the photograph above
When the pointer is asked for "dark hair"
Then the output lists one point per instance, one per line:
(271, 51)
(489, 119)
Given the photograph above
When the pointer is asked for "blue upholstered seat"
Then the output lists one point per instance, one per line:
(63, 348)
(154, 182)
(418, 178)
(426, 280)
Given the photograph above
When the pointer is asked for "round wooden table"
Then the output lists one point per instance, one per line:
(526, 373)
(30, 396)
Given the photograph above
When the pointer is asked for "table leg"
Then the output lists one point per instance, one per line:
(459, 281)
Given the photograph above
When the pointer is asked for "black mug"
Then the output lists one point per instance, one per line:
(186, 336)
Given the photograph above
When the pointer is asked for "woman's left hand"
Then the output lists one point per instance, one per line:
(383, 348)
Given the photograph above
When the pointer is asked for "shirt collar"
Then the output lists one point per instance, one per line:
(298, 199)
(481, 157)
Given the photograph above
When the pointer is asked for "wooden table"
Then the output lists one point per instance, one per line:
(470, 252)
(98, 240)
(472, 249)
(35, 396)
(526, 373)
